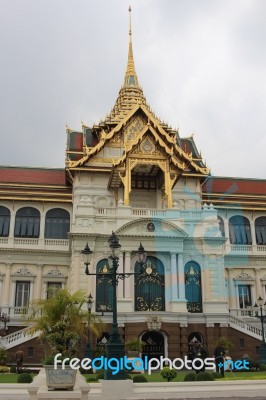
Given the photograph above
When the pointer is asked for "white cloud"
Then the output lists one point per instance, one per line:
(201, 65)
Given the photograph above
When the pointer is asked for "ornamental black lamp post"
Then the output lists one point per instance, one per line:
(115, 346)
(260, 312)
(4, 318)
(88, 351)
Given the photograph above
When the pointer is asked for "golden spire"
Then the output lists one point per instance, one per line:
(131, 78)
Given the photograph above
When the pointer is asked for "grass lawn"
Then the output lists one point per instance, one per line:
(10, 378)
(156, 377)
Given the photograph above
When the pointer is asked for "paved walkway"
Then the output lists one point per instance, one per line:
(235, 390)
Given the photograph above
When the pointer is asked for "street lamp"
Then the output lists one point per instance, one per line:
(88, 351)
(115, 346)
(259, 306)
(5, 319)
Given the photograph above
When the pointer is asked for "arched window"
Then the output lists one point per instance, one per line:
(104, 288)
(149, 288)
(239, 230)
(260, 229)
(4, 221)
(27, 223)
(221, 225)
(193, 287)
(57, 223)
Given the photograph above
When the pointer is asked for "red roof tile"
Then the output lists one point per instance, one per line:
(38, 176)
(235, 186)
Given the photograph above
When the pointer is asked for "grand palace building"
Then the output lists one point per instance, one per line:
(205, 236)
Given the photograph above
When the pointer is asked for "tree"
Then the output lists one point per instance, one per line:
(168, 373)
(62, 321)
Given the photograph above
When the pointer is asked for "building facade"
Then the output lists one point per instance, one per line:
(205, 236)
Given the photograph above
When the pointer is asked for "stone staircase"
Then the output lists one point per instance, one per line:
(245, 327)
(17, 338)
(23, 335)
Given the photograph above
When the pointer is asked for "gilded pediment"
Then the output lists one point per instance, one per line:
(152, 227)
(147, 147)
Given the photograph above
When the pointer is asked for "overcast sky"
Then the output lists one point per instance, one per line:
(201, 63)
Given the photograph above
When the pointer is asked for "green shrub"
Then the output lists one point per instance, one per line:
(25, 371)
(139, 378)
(168, 373)
(3, 369)
(262, 367)
(128, 376)
(100, 375)
(13, 369)
(204, 376)
(24, 378)
(92, 379)
(254, 365)
(3, 356)
(216, 375)
(191, 376)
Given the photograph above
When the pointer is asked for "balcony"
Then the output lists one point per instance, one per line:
(34, 244)
(243, 249)
(133, 212)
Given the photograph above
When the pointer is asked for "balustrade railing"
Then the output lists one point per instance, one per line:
(16, 338)
(244, 326)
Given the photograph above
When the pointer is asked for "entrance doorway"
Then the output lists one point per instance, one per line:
(154, 344)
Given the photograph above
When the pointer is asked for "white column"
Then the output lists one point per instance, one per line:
(38, 285)
(231, 290)
(258, 291)
(128, 280)
(12, 224)
(206, 279)
(7, 285)
(31, 290)
(174, 276)
(181, 277)
(42, 224)
(253, 233)
(226, 228)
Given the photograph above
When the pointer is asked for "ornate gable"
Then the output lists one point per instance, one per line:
(151, 227)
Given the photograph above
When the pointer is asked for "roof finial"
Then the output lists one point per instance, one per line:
(129, 9)
(131, 78)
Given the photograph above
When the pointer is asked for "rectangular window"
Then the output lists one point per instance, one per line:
(244, 296)
(51, 287)
(4, 225)
(241, 343)
(30, 351)
(22, 294)
(257, 350)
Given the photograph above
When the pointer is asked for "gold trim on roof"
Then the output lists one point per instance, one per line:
(221, 194)
(51, 200)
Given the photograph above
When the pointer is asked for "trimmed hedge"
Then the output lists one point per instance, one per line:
(24, 378)
(190, 377)
(216, 375)
(92, 379)
(204, 376)
(139, 378)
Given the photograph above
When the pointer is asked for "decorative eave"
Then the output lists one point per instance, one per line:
(235, 193)
(167, 142)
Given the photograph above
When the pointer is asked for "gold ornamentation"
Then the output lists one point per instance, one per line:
(147, 146)
(154, 323)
